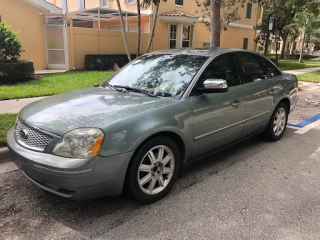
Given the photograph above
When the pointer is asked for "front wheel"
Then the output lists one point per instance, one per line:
(278, 123)
(154, 169)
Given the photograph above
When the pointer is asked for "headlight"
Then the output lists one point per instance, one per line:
(80, 143)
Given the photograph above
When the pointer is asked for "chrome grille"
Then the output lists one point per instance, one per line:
(30, 137)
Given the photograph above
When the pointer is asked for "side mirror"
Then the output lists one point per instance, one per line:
(214, 86)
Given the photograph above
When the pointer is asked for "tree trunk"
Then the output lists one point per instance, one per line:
(139, 28)
(284, 44)
(277, 56)
(291, 48)
(302, 47)
(125, 40)
(153, 26)
(215, 23)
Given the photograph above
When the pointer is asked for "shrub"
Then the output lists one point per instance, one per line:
(294, 56)
(10, 46)
(15, 71)
(105, 61)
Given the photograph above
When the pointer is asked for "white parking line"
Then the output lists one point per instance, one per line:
(7, 167)
(292, 127)
(308, 127)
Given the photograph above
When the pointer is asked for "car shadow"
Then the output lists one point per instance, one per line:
(95, 217)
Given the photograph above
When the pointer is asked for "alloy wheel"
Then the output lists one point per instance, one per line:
(156, 170)
(279, 121)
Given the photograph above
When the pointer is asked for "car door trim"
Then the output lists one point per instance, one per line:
(229, 126)
(258, 115)
(218, 130)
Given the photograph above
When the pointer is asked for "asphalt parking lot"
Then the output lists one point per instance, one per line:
(255, 190)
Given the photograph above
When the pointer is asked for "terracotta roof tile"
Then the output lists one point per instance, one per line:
(176, 13)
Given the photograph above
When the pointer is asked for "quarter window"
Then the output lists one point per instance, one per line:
(252, 68)
(173, 36)
(179, 2)
(223, 67)
(272, 71)
(186, 36)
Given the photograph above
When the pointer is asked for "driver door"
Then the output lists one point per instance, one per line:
(218, 117)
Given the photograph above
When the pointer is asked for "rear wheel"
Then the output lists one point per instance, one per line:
(153, 170)
(278, 123)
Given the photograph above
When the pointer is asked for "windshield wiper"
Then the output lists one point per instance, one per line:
(112, 87)
(135, 90)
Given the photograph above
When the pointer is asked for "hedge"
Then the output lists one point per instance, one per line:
(105, 61)
(15, 71)
(294, 56)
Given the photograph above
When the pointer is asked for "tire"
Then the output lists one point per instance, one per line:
(150, 177)
(280, 118)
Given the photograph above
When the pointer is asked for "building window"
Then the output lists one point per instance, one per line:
(186, 36)
(173, 36)
(249, 10)
(81, 5)
(64, 6)
(105, 2)
(179, 2)
(131, 1)
(245, 43)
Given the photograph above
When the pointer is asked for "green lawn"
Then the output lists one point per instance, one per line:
(6, 122)
(53, 84)
(310, 77)
(294, 64)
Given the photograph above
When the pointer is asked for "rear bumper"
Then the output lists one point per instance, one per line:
(72, 178)
(293, 98)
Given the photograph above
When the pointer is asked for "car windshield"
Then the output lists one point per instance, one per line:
(159, 74)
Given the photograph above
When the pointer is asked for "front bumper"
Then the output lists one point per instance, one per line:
(73, 178)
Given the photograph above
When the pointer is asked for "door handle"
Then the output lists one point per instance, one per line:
(275, 89)
(235, 103)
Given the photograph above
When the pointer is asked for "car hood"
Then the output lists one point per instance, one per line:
(88, 107)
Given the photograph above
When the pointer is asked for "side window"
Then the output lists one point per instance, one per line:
(272, 71)
(223, 67)
(252, 69)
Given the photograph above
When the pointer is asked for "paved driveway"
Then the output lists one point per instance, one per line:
(256, 190)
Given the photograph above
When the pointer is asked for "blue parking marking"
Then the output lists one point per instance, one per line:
(305, 122)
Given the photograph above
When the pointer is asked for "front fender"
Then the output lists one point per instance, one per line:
(128, 134)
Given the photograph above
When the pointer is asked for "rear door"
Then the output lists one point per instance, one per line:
(261, 90)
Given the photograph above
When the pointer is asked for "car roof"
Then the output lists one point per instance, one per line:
(208, 52)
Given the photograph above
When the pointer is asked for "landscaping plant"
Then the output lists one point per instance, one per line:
(10, 46)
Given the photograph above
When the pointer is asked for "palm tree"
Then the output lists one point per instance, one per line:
(124, 32)
(147, 3)
(306, 22)
(139, 27)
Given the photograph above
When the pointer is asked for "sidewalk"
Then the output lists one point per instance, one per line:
(302, 71)
(15, 105)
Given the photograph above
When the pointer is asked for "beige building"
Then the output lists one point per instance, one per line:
(57, 34)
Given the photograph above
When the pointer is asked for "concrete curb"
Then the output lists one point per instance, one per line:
(4, 155)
